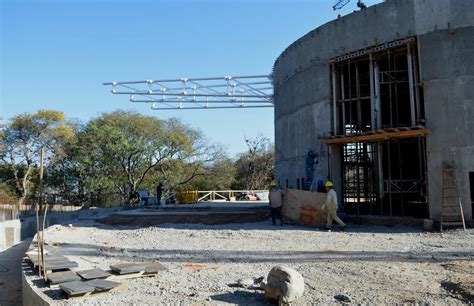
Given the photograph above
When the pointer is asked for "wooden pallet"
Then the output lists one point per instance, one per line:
(451, 210)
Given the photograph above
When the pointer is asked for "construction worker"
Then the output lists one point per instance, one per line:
(276, 202)
(159, 191)
(331, 206)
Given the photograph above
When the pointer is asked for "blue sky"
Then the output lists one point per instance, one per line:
(55, 54)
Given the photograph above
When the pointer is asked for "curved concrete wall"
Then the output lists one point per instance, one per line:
(445, 34)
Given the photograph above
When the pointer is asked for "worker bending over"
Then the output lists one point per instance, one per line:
(331, 206)
(276, 202)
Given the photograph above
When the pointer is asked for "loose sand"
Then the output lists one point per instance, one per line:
(367, 264)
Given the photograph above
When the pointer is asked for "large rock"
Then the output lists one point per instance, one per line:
(284, 285)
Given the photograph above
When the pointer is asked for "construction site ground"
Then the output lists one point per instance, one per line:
(367, 264)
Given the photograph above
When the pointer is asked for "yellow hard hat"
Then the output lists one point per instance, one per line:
(328, 184)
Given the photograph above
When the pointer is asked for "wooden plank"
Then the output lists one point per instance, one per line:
(93, 274)
(76, 288)
(116, 276)
(62, 277)
(380, 136)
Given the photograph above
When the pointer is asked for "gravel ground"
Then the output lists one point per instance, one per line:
(368, 264)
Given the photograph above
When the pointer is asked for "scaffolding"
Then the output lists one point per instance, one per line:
(253, 91)
(378, 120)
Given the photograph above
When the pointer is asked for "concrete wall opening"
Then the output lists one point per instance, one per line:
(374, 92)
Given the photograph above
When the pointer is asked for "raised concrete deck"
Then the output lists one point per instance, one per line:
(206, 213)
(10, 274)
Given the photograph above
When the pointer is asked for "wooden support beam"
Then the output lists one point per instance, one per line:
(380, 135)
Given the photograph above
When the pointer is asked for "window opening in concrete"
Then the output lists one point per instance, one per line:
(287, 183)
(376, 91)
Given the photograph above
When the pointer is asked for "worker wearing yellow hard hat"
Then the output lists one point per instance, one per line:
(331, 206)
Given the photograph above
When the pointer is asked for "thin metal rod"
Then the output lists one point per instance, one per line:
(343, 104)
(410, 84)
(378, 106)
(359, 107)
(211, 107)
(197, 101)
(334, 99)
(190, 79)
(229, 95)
(372, 92)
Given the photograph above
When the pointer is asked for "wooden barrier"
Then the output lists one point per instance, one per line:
(304, 207)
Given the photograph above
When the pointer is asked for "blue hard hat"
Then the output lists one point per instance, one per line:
(320, 182)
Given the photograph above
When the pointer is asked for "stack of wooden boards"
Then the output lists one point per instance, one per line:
(61, 273)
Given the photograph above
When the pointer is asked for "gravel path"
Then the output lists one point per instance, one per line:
(367, 264)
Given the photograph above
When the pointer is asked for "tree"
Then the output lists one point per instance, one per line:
(126, 150)
(22, 139)
(219, 175)
(255, 168)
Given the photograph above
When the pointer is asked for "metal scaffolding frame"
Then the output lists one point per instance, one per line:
(254, 91)
(377, 175)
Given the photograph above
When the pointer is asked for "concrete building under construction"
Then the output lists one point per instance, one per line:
(385, 96)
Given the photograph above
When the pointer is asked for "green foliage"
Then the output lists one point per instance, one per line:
(122, 152)
(255, 168)
(22, 139)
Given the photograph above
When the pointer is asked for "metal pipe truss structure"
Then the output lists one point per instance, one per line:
(254, 91)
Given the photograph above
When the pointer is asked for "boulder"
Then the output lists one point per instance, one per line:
(284, 285)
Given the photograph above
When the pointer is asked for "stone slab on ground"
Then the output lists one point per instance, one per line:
(76, 288)
(62, 277)
(127, 268)
(136, 267)
(93, 274)
(102, 284)
(58, 265)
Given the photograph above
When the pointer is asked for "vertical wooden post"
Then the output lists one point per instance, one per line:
(41, 241)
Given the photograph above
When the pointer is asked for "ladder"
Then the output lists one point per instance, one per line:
(451, 209)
